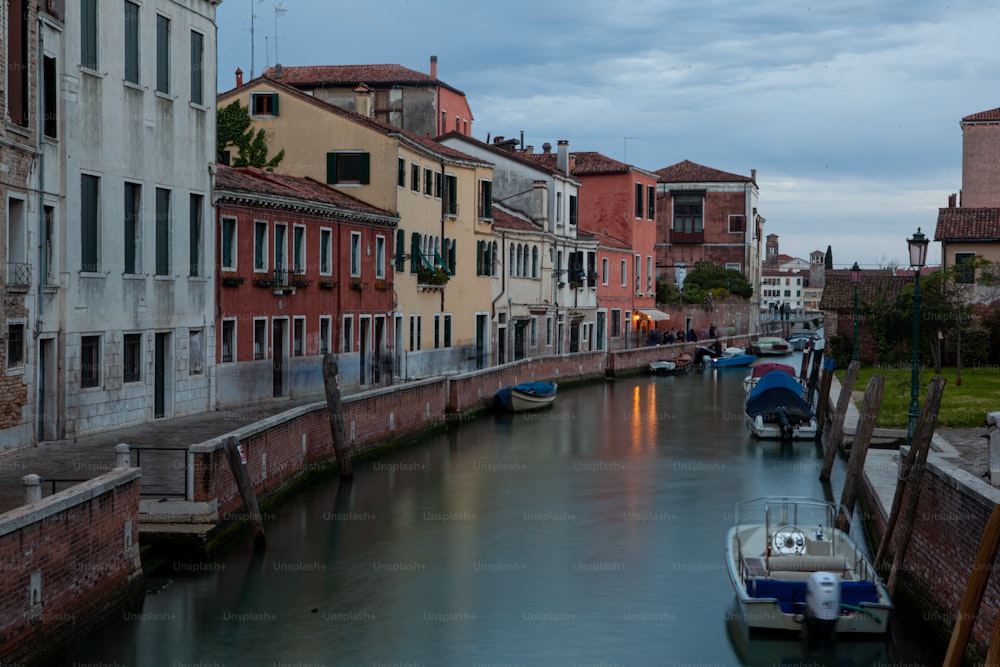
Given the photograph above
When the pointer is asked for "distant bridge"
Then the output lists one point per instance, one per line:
(795, 322)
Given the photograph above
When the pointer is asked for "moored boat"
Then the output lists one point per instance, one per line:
(732, 357)
(776, 408)
(792, 570)
(760, 370)
(771, 345)
(682, 363)
(527, 396)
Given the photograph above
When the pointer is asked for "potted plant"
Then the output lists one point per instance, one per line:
(435, 276)
(232, 280)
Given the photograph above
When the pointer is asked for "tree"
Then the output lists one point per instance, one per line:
(233, 129)
(828, 260)
(708, 276)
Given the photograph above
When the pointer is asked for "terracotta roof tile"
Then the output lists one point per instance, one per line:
(509, 219)
(968, 224)
(992, 114)
(876, 286)
(333, 76)
(608, 241)
(691, 172)
(523, 158)
(259, 182)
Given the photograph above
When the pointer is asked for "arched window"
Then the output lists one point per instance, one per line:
(513, 258)
(492, 266)
(534, 261)
(520, 260)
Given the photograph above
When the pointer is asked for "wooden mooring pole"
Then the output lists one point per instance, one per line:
(859, 450)
(969, 608)
(823, 402)
(921, 440)
(331, 382)
(238, 464)
(806, 353)
(833, 435)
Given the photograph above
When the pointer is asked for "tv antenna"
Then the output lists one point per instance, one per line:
(279, 10)
(252, 17)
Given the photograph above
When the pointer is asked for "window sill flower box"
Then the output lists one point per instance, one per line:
(233, 281)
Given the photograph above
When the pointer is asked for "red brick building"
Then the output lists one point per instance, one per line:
(303, 269)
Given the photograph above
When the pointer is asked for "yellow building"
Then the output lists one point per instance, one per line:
(443, 200)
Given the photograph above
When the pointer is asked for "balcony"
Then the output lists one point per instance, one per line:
(687, 237)
(18, 276)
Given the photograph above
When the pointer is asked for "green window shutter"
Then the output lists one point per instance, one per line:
(451, 257)
(365, 168)
(400, 249)
(479, 258)
(331, 167)
(274, 104)
(414, 251)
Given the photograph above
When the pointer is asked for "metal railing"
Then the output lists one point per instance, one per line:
(18, 274)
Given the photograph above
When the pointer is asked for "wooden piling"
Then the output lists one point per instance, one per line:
(922, 440)
(237, 463)
(817, 358)
(833, 435)
(331, 382)
(993, 655)
(823, 402)
(968, 610)
(806, 353)
(859, 450)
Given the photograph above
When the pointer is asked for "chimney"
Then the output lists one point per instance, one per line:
(277, 71)
(363, 100)
(498, 139)
(952, 200)
(540, 203)
(434, 67)
(546, 148)
(529, 150)
(753, 176)
(239, 77)
(562, 158)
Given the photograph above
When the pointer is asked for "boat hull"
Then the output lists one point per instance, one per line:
(735, 361)
(526, 396)
(772, 430)
(523, 402)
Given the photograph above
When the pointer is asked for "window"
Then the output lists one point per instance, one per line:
(162, 54)
(196, 351)
(380, 257)
(298, 249)
(131, 42)
(558, 208)
(734, 266)
(572, 209)
(355, 254)
(50, 97)
(438, 184)
(638, 273)
(324, 334)
(451, 190)
(259, 246)
(967, 273)
(162, 232)
(616, 322)
(415, 325)
(228, 341)
(534, 261)
(325, 251)
(687, 213)
(389, 106)
(447, 330)
(17, 61)
(194, 234)
(548, 331)
(401, 172)
(348, 331)
(533, 332)
(88, 34)
(428, 182)
(485, 200)
(15, 346)
(133, 228)
(132, 358)
(649, 273)
(264, 104)
(298, 336)
(197, 68)
(347, 168)
(280, 241)
(650, 202)
(624, 271)
(437, 330)
(604, 270)
(89, 223)
(90, 361)
(638, 200)
(737, 224)
(229, 244)
(260, 338)
(415, 177)
(48, 267)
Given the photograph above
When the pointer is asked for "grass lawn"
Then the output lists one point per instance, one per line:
(962, 406)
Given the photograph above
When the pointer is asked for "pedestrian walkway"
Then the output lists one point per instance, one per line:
(62, 463)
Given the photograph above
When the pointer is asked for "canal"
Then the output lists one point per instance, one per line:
(588, 534)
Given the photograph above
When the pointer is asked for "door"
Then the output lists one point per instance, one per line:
(481, 341)
(502, 345)
(519, 327)
(278, 368)
(365, 361)
(160, 375)
(379, 333)
(574, 337)
(398, 347)
(602, 327)
(48, 397)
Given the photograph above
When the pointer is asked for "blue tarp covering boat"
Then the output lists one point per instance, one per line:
(776, 407)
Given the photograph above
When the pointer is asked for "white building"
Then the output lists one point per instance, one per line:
(126, 324)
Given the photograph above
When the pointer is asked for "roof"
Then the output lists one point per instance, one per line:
(968, 224)
(608, 241)
(523, 158)
(876, 286)
(991, 115)
(389, 130)
(692, 172)
(513, 220)
(586, 163)
(336, 76)
(251, 180)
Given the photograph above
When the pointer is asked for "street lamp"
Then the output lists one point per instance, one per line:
(918, 257)
(855, 278)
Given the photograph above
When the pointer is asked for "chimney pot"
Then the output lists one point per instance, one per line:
(277, 71)
(546, 148)
(562, 158)
(239, 77)
(753, 176)
(952, 199)
(434, 67)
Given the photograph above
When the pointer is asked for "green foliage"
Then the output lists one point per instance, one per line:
(841, 349)
(667, 293)
(828, 260)
(708, 276)
(233, 130)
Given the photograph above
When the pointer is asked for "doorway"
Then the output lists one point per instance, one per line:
(278, 367)
(161, 347)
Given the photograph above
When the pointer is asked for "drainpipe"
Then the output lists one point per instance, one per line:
(444, 215)
(39, 305)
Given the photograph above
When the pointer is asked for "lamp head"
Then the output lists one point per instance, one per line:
(918, 249)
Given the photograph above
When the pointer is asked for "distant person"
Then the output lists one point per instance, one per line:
(670, 338)
(655, 338)
(711, 331)
(692, 337)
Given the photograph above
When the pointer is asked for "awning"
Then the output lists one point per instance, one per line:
(653, 314)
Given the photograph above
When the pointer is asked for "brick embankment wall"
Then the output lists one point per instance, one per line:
(952, 513)
(68, 563)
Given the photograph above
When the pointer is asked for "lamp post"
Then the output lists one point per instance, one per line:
(918, 256)
(855, 278)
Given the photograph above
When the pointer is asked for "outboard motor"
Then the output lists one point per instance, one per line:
(822, 604)
(785, 422)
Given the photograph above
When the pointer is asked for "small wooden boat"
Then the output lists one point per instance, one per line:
(527, 396)
(682, 363)
(732, 357)
(760, 370)
(776, 408)
(771, 345)
(793, 570)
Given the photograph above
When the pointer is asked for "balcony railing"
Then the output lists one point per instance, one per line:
(18, 275)
(282, 278)
(687, 237)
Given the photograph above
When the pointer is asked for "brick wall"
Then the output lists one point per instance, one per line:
(67, 563)
(952, 513)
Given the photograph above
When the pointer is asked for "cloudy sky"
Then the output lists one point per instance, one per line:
(849, 110)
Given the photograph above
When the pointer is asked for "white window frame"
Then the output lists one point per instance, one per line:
(297, 319)
(624, 265)
(649, 273)
(347, 334)
(262, 266)
(299, 268)
(604, 270)
(17, 369)
(328, 231)
(735, 266)
(533, 332)
(379, 257)
(327, 340)
(355, 254)
(234, 259)
(284, 233)
(235, 341)
(264, 343)
(196, 365)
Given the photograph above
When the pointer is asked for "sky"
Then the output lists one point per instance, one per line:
(849, 110)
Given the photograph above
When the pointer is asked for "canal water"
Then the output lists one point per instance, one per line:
(587, 534)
